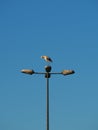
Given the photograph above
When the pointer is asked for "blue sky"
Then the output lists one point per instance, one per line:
(67, 31)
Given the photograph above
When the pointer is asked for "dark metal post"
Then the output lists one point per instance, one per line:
(47, 105)
(47, 76)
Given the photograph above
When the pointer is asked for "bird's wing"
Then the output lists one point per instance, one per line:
(49, 59)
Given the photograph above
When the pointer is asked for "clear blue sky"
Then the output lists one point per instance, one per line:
(65, 30)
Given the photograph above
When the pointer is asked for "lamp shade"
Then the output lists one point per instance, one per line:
(67, 72)
(26, 71)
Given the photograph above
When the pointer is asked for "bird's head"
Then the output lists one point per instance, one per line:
(42, 57)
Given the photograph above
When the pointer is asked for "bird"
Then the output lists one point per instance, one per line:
(47, 58)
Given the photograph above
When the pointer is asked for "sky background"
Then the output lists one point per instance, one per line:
(65, 30)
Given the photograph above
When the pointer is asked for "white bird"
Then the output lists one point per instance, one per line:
(46, 58)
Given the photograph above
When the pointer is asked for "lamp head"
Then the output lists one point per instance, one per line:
(26, 71)
(48, 68)
(67, 72)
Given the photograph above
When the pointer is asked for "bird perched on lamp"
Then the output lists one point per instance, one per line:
(47, 58)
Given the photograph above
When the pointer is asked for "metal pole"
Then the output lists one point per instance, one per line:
(47, 104)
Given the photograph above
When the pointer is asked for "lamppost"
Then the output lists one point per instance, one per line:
(47, 76)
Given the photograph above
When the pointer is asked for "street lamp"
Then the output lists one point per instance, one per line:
(47, 76)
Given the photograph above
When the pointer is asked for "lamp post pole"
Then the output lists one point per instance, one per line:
(47, 76)
(47, 105)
